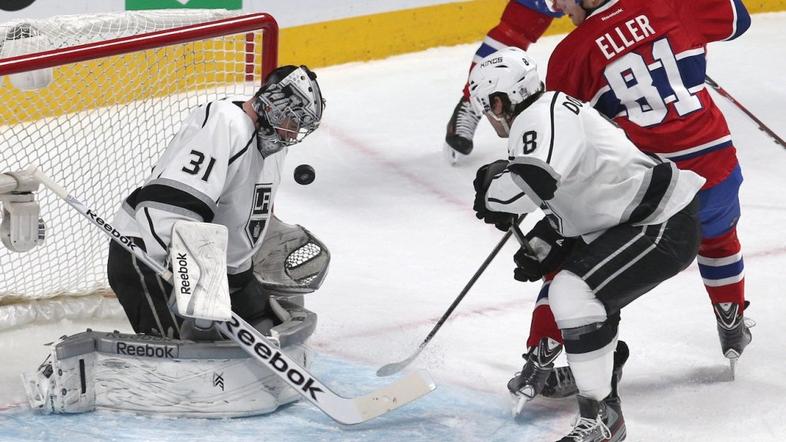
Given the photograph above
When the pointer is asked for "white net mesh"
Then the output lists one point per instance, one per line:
(98, 128)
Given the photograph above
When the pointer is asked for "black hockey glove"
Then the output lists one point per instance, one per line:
(550, 249)
(501, 220)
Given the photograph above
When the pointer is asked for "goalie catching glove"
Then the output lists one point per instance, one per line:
(550, 249)
(483, 178)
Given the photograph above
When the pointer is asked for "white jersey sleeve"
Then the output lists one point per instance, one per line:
(584, 173)
(190, 177)
(538, 159)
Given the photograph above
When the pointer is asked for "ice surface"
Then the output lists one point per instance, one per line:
(404, 242)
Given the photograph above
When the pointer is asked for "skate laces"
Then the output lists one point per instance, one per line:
(466, 120)
(585, 426)
(563, 377)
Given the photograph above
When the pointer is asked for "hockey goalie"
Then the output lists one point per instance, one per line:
(196, 248)
(201, 374)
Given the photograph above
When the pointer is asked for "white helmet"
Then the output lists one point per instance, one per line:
(509, 74)
(289, 105)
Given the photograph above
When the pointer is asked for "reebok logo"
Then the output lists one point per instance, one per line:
(146, 350)
(182, 272)
(108, 227)
(274, 359)
(606, 17)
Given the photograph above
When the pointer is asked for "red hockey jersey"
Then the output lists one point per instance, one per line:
(642, 63)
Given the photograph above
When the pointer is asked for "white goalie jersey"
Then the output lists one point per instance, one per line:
(212, 172)
(584, 173)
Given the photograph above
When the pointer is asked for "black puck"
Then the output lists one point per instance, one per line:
(304, 174)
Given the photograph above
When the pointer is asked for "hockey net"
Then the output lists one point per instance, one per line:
(120, 86)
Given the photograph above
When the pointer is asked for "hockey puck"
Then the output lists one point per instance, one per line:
(304, 174)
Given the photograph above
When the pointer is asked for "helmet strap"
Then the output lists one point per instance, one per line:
(519, 108)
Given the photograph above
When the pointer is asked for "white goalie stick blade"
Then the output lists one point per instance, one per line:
(199, 269)
(343, 410)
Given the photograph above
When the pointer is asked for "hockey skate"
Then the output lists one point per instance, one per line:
(538, 366)
(598, 421)
(460, 131)
(733, 331)
(561, 382)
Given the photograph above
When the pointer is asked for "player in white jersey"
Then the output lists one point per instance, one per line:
(618, 221)
(223, 166)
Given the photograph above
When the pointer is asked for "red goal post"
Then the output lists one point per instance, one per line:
(151, 40)
(120, 84)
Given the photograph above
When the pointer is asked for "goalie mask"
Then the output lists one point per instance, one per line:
(289, 105)
(500, 82)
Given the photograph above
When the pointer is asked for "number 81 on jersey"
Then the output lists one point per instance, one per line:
(632, 81)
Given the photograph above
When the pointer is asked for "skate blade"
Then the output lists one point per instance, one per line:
(521, 402)
(451, 156)
(733, 357)
(733, 368)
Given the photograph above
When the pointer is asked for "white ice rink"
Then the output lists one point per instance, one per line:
(404, 241)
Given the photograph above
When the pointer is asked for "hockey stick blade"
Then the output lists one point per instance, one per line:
(348, 411)
(395, 367)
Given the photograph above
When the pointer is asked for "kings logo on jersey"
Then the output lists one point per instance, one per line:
(259, 212)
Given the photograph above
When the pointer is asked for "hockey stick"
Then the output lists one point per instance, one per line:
(395, 367)
(713, 84)
(343, 410)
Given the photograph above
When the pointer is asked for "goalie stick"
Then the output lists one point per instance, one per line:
(395, 367)
(341, 409)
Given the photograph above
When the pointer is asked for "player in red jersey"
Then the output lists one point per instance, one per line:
(521, 24)
(642, 64)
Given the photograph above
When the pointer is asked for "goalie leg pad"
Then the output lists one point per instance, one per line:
(146, 374)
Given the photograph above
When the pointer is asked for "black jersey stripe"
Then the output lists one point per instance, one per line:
(538, 179)
(551, 139)
(243, 150)
(207, 113)
(660, 182)
(153, 230)
(515, 198)
(133, 198)
(164, 194)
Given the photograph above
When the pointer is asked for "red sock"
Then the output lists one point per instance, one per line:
(722, 268)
